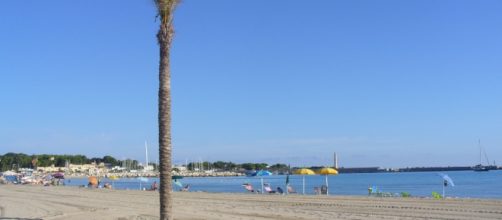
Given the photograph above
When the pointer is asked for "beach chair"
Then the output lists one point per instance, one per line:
(248, 187)
(267, 188)
(436, 195)
(324, 190)
(186, 188)
(291, 190)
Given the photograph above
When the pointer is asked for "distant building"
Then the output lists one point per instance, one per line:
(180, 167)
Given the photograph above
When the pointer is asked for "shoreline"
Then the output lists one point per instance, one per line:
(20, 201)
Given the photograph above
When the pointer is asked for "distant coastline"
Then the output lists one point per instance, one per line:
(80, 165)
(407, 169)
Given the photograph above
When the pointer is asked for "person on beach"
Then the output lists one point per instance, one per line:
(185, 188)
(317, 191)
(154, 186)
(108, 186)
(279, 190)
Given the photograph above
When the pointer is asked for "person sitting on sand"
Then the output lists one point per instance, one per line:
(107, 186)
(291, 190)
(317, 191)
(279, 190)
(154, 186)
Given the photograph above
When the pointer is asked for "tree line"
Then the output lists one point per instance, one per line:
(14, 161)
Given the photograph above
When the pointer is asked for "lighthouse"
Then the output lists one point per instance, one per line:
(335, 160)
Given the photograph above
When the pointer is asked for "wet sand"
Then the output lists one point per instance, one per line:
(36, 202)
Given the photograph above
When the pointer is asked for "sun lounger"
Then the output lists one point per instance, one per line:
(267, 188)
(248, 187)
(185, 188)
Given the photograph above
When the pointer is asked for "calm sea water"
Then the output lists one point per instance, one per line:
(467, 183)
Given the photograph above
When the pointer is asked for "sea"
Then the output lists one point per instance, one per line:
(467, 184)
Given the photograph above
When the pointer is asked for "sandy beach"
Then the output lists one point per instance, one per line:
(35, 202)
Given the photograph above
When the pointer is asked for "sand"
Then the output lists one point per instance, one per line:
(37, 202)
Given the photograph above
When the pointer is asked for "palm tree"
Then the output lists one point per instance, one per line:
(165, 10)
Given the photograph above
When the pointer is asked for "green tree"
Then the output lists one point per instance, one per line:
(279, 167)
(220, 165)
(111, 160)
(261, 166)
(248, 166)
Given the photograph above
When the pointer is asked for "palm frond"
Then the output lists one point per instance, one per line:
(166, 5)
(165, 10)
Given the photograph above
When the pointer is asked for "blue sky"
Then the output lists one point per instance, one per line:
(383, 83)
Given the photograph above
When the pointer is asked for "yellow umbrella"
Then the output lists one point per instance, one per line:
(327, 171)
(303, 172)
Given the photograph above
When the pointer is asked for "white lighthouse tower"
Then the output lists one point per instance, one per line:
(335, 158)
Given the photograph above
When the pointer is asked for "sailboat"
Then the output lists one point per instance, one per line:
(480, 167)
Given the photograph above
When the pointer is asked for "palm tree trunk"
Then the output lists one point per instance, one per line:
(164, 37)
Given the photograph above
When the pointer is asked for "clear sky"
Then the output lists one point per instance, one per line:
(383, 83)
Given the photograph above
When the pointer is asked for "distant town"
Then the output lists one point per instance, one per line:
(80, 165)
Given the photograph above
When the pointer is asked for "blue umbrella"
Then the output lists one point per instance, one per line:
(261, 174)
(178, 183)
(446, 181)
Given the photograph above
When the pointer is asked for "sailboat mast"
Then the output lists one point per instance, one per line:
(146, 155)
(480, 151)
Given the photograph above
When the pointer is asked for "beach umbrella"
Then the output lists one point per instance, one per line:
(327, 171)
(261, 174)
(287, 183)
(303, 172)
(446, 181)
(178, 183)
(58, 175)
(93, 180)
(176, 180)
